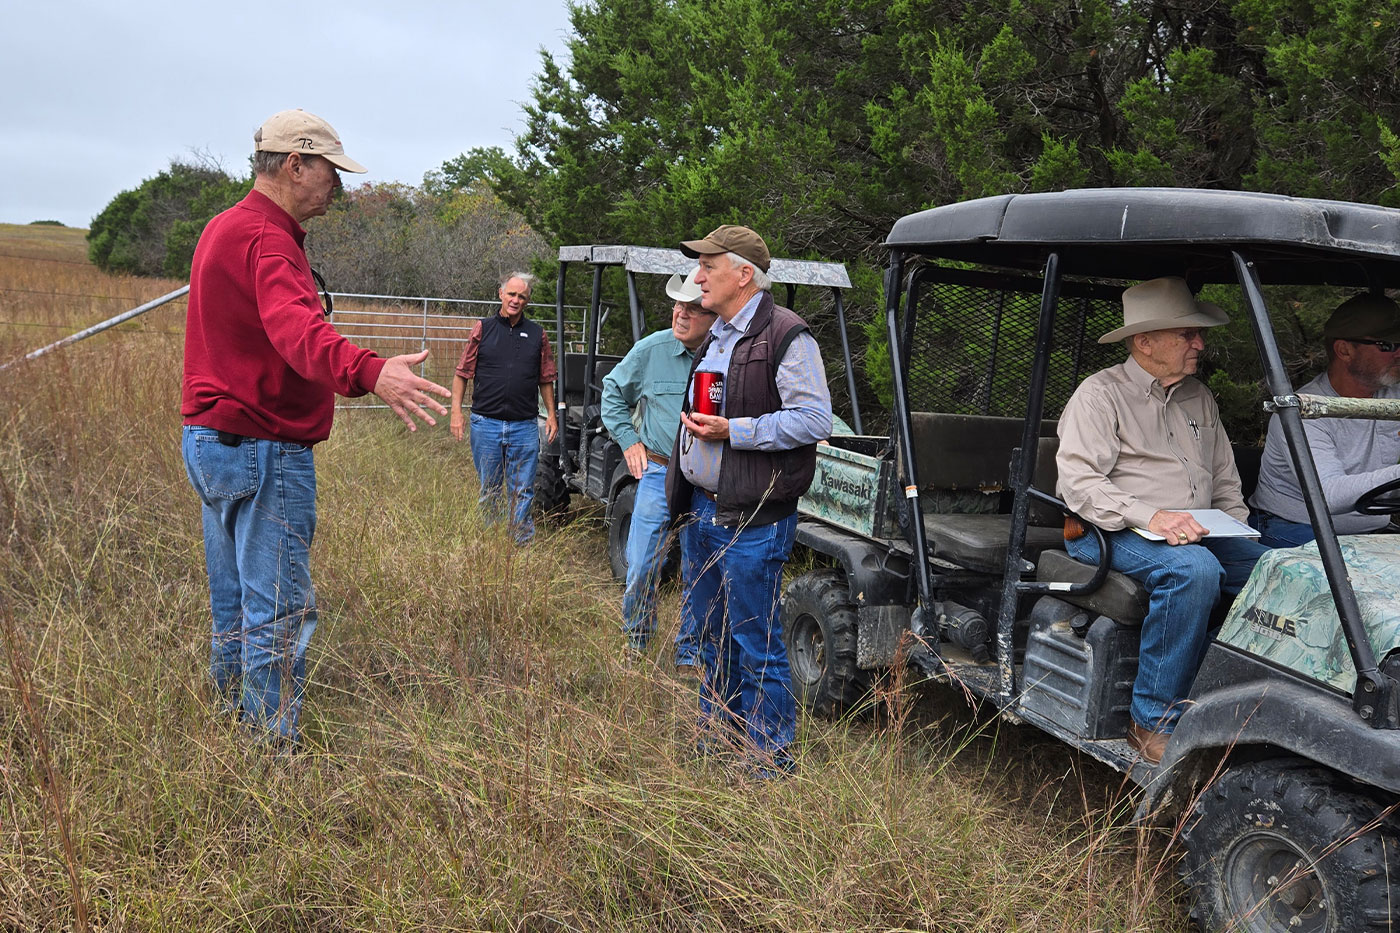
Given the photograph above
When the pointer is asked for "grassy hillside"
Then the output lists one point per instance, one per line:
(480, 756)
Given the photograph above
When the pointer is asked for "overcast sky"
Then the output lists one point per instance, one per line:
(97, 96)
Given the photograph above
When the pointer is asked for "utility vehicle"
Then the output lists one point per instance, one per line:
(584, 458)
(944, 541)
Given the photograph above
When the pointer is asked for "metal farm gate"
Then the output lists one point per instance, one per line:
(391, 325)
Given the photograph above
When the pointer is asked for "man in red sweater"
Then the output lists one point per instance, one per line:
(262, 369)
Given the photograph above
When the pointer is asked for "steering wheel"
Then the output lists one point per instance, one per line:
(1380, 500)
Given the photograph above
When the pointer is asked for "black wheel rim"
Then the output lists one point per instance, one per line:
(1271, 885)
(808, 656)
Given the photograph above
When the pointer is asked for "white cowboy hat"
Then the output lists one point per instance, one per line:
(684, 290)
(1161, 304)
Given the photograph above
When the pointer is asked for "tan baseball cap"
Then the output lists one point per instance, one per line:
(731, 239)
(299, 131)
(1364, 315)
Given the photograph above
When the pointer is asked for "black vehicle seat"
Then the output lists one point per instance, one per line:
(1121, 598)
(574, 366)
(963, 463)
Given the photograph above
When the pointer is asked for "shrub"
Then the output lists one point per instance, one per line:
(152, 229)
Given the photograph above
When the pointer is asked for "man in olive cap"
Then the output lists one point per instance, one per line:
(262, 368)
(1140, 443)
(1363, 361)
(736, 474)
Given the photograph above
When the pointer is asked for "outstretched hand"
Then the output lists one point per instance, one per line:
(406, 392)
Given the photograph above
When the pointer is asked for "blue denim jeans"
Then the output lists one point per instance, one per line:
(646, 556)
(506, 455)
(259, 510)
(1183, 584)
(1280, 532)
(732, 577)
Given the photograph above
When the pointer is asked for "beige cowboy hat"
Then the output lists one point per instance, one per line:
(683, 288)
(1161, 304)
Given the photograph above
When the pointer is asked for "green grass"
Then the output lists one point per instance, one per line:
(479, 755)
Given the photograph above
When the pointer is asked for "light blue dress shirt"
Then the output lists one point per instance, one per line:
(805, 415)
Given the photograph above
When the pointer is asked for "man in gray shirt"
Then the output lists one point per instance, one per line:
(1352, 456)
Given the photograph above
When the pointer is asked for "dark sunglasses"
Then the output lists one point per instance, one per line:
(1385, 346)
(327, 306)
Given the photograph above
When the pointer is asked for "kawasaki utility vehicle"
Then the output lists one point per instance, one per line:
(585, 458)
(944, 541)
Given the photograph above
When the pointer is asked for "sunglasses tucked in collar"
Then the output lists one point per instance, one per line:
(327, 305)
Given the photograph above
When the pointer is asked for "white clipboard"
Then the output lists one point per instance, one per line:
(1219, 523)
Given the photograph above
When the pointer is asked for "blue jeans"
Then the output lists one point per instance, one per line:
(1183, 583)
(506, 454)
(259, 509)
(646, 555)
(1280, 532)
(732, 577)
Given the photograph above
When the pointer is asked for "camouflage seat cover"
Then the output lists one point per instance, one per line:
(1286, 614)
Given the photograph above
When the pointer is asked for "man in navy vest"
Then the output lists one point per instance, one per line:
(737, 474)
(508, 361)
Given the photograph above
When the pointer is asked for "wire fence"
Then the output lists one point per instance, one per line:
(390, 325)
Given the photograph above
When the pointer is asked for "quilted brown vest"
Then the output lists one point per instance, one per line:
(756, 487)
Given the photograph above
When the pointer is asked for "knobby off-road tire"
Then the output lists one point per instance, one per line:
(619, 526)
(819, 632)
(551, 493)
(1278, 847)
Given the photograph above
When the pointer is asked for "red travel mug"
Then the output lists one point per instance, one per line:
(709, 393)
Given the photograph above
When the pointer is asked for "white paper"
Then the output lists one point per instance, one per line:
(1220, 524)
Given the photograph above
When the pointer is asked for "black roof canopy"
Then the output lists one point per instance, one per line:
(1141, 233)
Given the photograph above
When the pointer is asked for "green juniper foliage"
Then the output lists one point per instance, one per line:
(819, 123)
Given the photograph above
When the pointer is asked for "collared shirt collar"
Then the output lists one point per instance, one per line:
(1146, 381)
(740, 321)
(257, 201)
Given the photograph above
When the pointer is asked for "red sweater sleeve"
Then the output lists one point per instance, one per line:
(303, 337)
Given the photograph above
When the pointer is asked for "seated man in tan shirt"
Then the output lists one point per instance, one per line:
(1139, 442)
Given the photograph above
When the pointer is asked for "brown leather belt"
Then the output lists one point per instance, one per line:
(706, 493)
(1074, 528)
(656, 458)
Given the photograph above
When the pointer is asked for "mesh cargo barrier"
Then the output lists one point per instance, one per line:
(974, 340)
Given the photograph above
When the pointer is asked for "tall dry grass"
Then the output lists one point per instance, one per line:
(479, 756)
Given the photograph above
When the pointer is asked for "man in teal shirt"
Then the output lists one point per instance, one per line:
(641, 409)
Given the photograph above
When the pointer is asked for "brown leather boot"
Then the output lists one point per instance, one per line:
(1150, 745)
